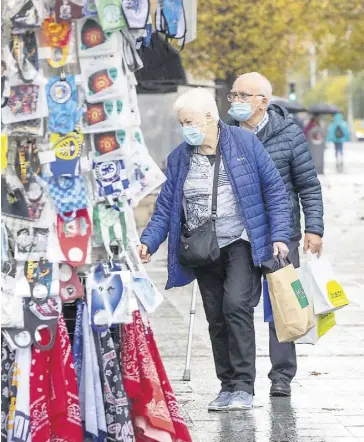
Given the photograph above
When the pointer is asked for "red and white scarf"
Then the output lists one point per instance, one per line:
(54, 404)
(155, 411)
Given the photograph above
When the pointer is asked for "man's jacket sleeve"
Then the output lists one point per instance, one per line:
(274, 193)
(307, 185)
(157, 230)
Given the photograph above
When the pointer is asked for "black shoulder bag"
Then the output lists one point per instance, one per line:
(199, 247)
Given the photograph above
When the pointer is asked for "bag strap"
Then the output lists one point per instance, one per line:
(214, 187)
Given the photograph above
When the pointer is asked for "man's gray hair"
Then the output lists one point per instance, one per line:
(198, 100)
(263, 82)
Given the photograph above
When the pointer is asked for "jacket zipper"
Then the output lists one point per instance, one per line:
(233, 185)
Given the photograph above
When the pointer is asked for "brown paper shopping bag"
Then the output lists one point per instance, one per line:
(292, 313)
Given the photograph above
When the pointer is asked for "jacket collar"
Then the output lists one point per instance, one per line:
(279, 120)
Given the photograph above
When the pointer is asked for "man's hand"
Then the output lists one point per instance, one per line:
(143, 253)
(280, 249)
(313, 243)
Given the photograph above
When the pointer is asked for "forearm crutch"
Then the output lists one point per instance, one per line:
(187, 373)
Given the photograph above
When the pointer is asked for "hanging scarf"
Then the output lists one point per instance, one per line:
(7, 367)
(155, 411)
(54, 404)
(21, 431)
(119, 424)
(77, 348)
(13, 397)
(180, 428)
(91, 398)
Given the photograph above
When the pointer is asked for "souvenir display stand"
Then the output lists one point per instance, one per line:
(79, 360)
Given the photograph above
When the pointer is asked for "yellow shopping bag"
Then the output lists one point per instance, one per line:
(324, 323)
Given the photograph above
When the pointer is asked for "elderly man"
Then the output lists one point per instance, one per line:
(287, 146)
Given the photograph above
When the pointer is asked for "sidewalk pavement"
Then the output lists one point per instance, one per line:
(327, 403)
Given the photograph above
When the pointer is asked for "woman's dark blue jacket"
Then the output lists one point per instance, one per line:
(258, 188)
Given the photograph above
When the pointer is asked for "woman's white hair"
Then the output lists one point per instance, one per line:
(198, 100)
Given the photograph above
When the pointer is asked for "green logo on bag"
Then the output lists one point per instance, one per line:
(300, 293)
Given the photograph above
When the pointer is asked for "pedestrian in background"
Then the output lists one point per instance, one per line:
(338, 134)
(241, 209)
(312, 124)
(286, 144)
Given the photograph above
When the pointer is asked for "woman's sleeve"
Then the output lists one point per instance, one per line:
(157, 230)
(274, 194)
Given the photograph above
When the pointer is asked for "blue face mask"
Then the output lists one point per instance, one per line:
(193, 135)
(241, 111)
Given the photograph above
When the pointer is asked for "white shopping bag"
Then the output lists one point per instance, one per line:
(327, 293)
(324, 323)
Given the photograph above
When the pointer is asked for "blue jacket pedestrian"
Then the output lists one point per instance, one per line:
(256, 184)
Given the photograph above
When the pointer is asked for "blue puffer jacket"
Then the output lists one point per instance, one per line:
(288, 148)
(258, 189)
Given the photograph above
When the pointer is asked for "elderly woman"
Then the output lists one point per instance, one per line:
(225, 209)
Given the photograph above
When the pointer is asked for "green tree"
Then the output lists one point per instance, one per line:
(240, 36)
(333, 90)
(338, 28)
(271, 36)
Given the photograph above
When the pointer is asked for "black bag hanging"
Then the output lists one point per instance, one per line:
(199, 247)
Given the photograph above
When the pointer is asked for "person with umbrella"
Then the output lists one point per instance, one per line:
(338, 134)
(287, 146)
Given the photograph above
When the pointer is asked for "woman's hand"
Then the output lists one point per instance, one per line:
(280, 249)
(143, 253)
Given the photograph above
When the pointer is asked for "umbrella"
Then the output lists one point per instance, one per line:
(324, 108)
(291, 106)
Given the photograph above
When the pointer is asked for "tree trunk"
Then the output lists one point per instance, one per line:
(223, 87)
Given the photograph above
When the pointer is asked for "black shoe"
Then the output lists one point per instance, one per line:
(280, 388)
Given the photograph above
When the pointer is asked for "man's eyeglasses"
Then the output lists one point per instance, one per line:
(241, 96)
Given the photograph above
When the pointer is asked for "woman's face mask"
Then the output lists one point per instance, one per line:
(192, 125)
(193, 135)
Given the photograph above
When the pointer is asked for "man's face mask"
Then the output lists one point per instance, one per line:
(242, 111)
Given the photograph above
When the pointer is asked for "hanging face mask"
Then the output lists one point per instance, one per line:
(65, 154)
(193, 135)
(92, 41)
(70, 287)
(110, 15)
(69, 195)
(31, 243)
(67, 10)
(242, 111)
(109, 146)
(62, 101)
(112, 181)
(24, 50)
(136, 13)
(27, 163)
(36, 316)
(39, 275)
(74, 237)
(109, 226)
